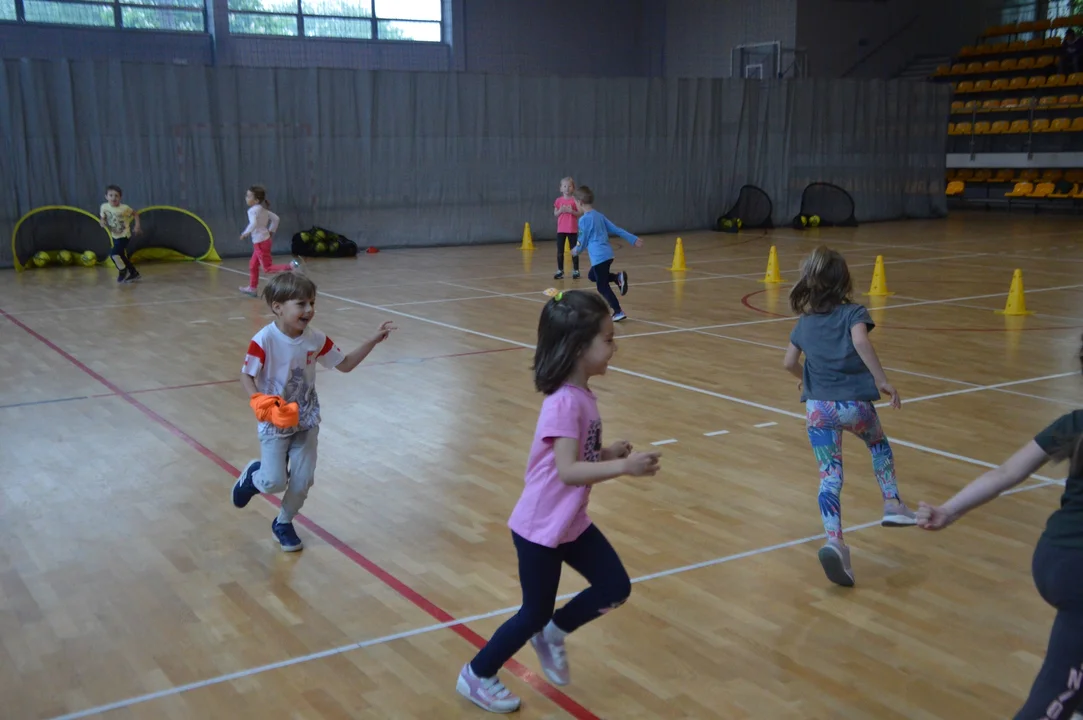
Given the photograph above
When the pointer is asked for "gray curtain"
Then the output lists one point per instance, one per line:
(411, 159)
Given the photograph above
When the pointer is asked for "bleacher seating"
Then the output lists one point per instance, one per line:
(1011, 96)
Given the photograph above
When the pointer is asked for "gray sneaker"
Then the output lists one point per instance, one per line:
(896, 514)
(835, 559)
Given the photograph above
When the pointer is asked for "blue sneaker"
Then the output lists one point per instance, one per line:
(287, 536)
(244, 489)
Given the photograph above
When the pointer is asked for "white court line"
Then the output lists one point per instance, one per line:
(249, 672)
(766, 424)
(980, 388)
(664, 442)
(644, 376)
(716, 433)
(767, 321)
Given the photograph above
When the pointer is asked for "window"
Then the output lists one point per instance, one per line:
(415, 20)
(169, 15)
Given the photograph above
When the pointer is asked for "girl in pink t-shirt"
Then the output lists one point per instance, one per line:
(549, 525)
(567, 213)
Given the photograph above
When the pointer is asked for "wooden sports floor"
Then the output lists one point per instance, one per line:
(130, 587)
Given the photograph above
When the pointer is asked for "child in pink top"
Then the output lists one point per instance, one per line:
(549, 524)
(567, 213)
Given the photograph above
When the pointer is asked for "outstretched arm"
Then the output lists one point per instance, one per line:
(354, 358)
(1026, 460)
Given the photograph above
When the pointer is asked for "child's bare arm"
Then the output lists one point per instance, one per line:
(249, 384)
(792, 361)
(353, 359)
(860, 335)
(138, 227)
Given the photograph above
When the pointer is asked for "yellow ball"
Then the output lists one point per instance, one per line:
(88, 259)
(814, 221)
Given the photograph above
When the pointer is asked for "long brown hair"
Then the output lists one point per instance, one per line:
(568, 325)
(824, 285)
(260, 193)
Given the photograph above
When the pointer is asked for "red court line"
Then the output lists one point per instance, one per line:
(888, 326)
(420, 601)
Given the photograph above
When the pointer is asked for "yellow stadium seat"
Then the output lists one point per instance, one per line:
(1019, 127)
(1025, 63)
(1054, 80)
(957, 106)
(967, 51)
(955, 187)
(1075, 79)
(991, 104)
(982, 128)
(963, 128)
(1021, 189)
(1040, 125)
(958, 68)
(1036, 81)
(1044, 61)
(1077, 125)
(1007, 64)
(985, 85)
(966, 86)
(1002, 176)
(974, 67)
(991, 66)
(1070, 99)
(942, 70)
(1060, 124)
(999, 128)
(1048, 101)
(1009, 104)
(982, 175)
(1042, 190)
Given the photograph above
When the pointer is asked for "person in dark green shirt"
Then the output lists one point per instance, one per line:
(1058, 558)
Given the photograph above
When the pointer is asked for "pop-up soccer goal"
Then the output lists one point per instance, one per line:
(56, 233)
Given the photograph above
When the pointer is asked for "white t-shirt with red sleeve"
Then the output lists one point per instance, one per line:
(286, 367)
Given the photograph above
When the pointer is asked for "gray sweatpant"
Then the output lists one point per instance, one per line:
(272, 476)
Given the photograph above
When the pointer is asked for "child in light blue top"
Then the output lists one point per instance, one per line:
(594, 232)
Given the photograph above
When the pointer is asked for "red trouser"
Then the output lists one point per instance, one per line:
(261, 255)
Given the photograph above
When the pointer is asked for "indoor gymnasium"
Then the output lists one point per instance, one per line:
(685, 259)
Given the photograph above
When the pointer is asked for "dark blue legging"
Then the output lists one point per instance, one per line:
(599, 275)
(1056, 692)
(591, 556)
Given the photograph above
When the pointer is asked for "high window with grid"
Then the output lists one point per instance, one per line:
(414, 20)
(168, 15)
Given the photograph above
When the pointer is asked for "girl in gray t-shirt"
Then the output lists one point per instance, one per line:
(840, 380)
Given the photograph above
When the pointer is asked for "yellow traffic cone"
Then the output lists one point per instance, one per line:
(567, 247)
(1017, 303)
(878, 288)
(678, 257)
(772, 276)
(528, 239)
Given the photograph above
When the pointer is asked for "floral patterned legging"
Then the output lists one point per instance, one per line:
(825, 421)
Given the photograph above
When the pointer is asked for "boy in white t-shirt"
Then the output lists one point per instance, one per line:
(117, 218)
(279, 374)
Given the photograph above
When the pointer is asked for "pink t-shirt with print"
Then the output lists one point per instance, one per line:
(566, 222)
(549, 512)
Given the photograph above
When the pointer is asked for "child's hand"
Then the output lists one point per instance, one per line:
(889, 389)
(384, 331)
(932, 518)
(800, 386)
(638, 242)
(640, 464)
(620, 449)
